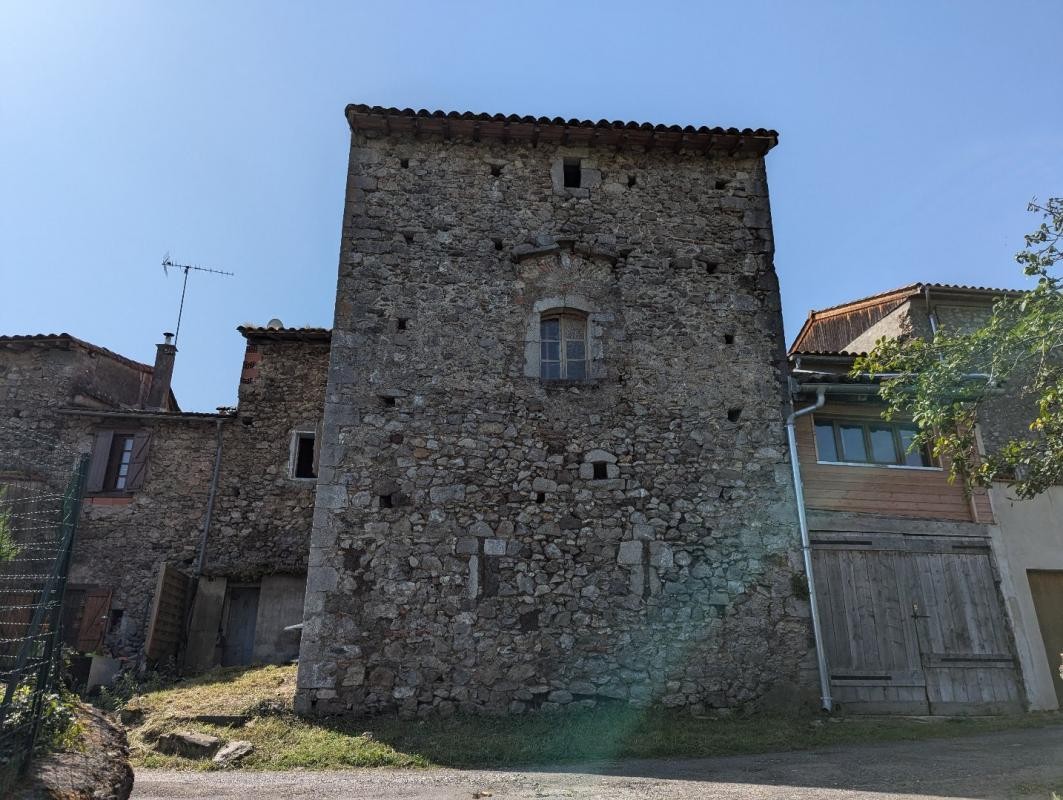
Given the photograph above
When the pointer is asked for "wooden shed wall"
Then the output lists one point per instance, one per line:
(895, 492)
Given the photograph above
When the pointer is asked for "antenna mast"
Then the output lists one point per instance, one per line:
(167, 264)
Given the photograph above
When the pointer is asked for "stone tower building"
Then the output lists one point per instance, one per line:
(552, 468)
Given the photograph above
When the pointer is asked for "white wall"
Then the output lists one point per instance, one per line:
(1028, 535)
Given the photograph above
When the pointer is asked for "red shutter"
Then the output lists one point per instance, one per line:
(101, 452)
(138, 463)
(94, 619)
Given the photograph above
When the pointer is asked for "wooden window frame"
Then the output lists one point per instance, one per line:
(865, 425)
(105, 462)
(120, 455)
(562, 314)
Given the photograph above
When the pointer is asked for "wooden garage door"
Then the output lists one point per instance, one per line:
(914, 624)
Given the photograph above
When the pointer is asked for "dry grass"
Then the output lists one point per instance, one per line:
(285, 741)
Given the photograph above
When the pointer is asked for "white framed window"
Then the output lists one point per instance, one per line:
(563, 345)
(302, 457)
(840, 440)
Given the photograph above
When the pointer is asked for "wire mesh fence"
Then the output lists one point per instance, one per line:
(41, 484)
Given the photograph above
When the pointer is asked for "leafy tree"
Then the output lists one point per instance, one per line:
(946, 385)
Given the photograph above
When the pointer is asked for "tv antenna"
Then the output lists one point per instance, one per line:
(167, 265)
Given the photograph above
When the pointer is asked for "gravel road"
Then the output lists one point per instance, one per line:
(1016, 764)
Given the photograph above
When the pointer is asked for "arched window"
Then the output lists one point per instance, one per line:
(563, 345)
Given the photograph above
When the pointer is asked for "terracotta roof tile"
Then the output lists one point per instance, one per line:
(517, 127)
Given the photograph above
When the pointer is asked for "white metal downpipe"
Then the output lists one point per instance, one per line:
(806, 547)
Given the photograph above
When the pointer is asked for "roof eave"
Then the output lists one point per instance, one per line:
(513, 128)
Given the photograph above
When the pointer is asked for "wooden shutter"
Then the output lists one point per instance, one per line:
(101, 453)
(139, 461)
(94, 616)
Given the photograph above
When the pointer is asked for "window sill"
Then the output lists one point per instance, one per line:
(880, 466)
(109, 499)
(566, 383)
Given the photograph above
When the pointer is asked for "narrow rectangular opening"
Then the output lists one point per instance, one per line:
(601, 471)
(387, 401)
(573, 173)
(386, 501)
(304, 456)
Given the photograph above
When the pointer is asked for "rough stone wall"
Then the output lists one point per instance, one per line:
(894, 325)
(122, 540)
(263, 517)
(35, 380)
(464, 555)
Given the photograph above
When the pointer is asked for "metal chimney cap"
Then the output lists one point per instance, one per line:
(167, 337)
(275, 324)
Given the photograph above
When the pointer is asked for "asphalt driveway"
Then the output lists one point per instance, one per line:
(1024, 764)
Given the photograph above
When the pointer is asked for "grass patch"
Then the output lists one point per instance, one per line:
(285, 741)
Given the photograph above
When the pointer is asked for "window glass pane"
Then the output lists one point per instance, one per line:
(882, 448)
(550, 329)
(575, 350)
(577, 370)
(574, 328)
(825, 449)
(853, 442)
(549, 369)
(914, 458)
(550, 351)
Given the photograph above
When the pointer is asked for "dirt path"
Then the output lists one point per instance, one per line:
(1017, 764)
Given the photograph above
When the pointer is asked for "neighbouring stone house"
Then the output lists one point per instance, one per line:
(955, 593)
(553, 467)
(166, 567)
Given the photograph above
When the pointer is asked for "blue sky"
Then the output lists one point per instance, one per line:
(912, 136)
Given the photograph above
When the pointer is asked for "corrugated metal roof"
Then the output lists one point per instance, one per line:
(65, 339)
(517, 128)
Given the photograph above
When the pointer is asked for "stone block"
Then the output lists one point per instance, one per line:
(629, 553)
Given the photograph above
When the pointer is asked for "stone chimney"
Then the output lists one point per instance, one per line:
(159, 391)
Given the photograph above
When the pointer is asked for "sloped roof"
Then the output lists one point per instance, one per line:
(306, 334)
(830, 329)
(512, 127)
(65, 340)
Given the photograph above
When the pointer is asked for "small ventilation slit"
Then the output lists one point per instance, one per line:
(400, 324)
(408, 237)
(721, 185)
(711, 267)
(733, 414)
(630, 181)
(498, 244)
(496, 170)
(386, 401)
(601, 471)
(404, 163)
(540, 497)
(728, 338)
(386, 501)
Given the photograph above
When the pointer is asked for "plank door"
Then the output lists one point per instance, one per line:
(94, 617)
(1047, 590)
(963, 636)
(239, 642)
(870, 641)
